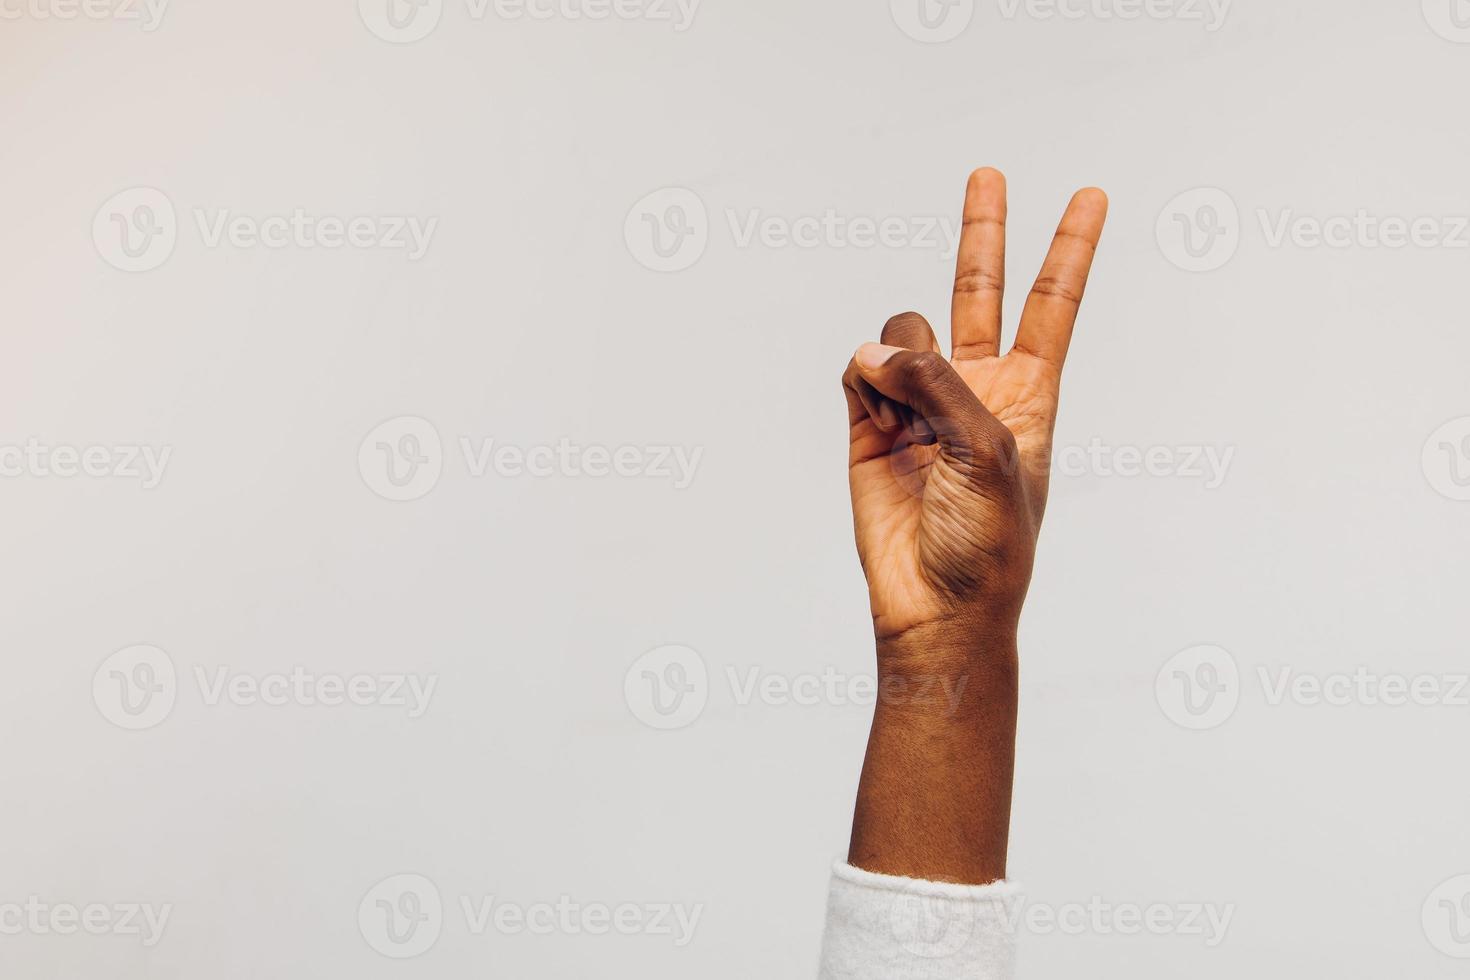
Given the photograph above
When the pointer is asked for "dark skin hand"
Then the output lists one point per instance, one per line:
(948, 467)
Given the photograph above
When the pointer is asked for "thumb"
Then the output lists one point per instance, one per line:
(924, 381)
(932, 389)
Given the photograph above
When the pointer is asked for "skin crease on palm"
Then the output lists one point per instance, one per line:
(948, 467)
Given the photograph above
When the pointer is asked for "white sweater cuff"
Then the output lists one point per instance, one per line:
(881, 927)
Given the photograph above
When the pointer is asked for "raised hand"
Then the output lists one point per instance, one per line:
(949, 459)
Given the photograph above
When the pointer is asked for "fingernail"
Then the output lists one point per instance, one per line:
(870, 356)
(887, 416)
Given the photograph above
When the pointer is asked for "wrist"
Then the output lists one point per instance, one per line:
(982, 648)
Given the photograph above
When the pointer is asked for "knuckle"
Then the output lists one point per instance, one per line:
(1004, 441)
(925, 368)
(1060, 287)
(1087, 243)
(979, 281)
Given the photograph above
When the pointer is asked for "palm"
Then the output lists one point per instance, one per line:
(924, 532)
(1018, 390)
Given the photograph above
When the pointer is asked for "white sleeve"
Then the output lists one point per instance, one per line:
(880, 927)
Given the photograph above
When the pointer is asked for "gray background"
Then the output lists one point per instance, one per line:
(531, 320)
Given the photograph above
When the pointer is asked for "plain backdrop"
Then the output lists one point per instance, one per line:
(534, 318)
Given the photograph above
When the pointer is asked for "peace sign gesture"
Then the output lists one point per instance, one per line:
(949, 459)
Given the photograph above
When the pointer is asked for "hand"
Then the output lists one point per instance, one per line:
(948, 460)
(948, 469)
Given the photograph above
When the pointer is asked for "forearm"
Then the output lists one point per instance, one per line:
(921, 895)
(934, 800)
